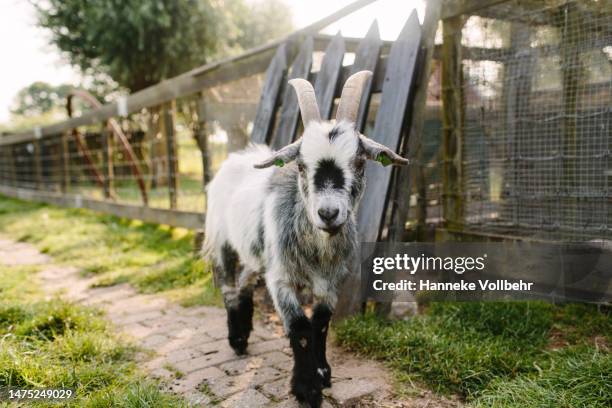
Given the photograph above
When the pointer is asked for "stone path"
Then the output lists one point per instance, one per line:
(190, 354)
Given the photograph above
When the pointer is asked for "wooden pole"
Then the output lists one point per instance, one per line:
(38, 163)
(453, 116)
(107, 162)
(172, 160)
(13, 166)
(65, 155)
(201, 132)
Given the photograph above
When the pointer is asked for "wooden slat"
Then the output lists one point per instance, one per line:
(413, 149)
(290, 111)
(183, 219)
(397, 90)
(366, 58)
(266, 110)
(396, 93)
(329, 74)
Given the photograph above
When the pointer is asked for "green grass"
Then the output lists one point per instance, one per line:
(153, 258)
(58, 344)
(533, 352)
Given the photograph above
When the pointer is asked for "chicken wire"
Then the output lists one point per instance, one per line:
(537, 127)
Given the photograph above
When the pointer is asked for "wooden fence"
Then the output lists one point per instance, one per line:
(181, 128)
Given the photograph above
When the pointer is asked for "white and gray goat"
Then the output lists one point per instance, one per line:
(290, 215)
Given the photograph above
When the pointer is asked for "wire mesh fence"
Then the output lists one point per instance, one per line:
(535, 132)
(536, 135)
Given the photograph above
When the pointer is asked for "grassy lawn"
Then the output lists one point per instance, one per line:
(152, 258)
(527, 354)
(524, 354)
(59, 344)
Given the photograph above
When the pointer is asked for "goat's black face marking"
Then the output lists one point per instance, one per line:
(328, 174)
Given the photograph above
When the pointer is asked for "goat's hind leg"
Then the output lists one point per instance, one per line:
(238, 301)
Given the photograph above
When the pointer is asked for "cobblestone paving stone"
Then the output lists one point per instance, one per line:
(189, 352)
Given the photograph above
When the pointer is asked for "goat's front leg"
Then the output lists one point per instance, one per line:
(320, 324)
(325, 300)
(305, 382)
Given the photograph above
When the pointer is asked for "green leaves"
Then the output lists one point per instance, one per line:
(141, 42)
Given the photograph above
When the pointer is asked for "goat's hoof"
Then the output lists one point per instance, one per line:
(325, 374)
(239, 344)
(307, 392)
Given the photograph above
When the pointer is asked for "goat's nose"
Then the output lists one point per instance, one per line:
(328, 214)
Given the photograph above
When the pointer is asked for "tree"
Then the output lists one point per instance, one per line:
(140, 42)
(259, 21)
(39, 98)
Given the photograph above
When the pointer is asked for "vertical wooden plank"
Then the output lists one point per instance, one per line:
(107, 161)
(38, 164)
(327, 79)
(413, 149)
(452, 133)
(169, 130)
(268, 102)
(201, 135)
(65, 155)
(366, 58)
(12, 153)
(290, 111)
(396, 93)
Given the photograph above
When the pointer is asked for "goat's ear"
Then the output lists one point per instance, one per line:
(381, 153)
(281, 157)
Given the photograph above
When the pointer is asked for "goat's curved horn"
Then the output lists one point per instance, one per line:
(348, 107)
(307, 100)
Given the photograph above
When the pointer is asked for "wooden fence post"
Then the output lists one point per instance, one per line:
(453, 115)
(172, 160)
(38, 163)
(65, 155)
(201, 130)
(13, 166)
(107, 161)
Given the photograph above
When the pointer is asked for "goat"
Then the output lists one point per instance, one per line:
(295, 224)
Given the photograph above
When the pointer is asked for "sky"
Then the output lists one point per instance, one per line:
(31, 58)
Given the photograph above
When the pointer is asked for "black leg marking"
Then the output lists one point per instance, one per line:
(240, 321)
(320, 325)
(239, 306)
(305, 383)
